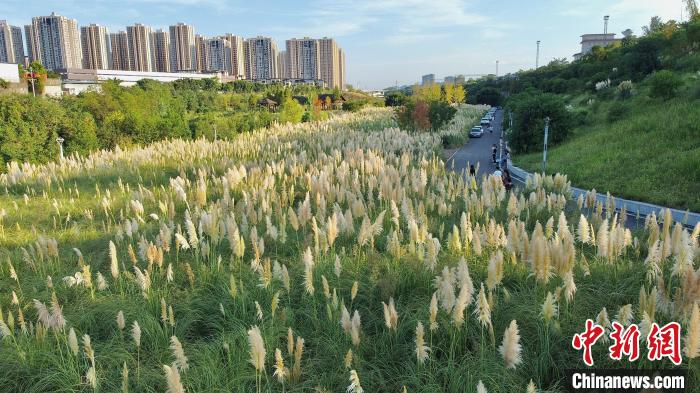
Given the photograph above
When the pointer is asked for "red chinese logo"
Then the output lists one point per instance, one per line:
(625, 342)
(662, 342)
(665, 342)
(586, 340)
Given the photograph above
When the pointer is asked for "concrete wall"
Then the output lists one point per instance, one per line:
(8, 72)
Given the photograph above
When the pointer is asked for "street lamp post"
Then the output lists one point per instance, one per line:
(60, 146)
(546, 137)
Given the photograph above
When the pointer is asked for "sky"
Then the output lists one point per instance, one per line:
(387, 42)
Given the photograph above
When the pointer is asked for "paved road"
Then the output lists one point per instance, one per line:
(478, 150)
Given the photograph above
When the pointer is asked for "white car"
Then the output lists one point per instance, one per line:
(476, 132)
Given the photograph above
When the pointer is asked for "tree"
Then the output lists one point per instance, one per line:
(440, 113)
(394, 98)
(459, 94)
(692, 9)
(488, 96)
(449, 90)
(655, 25)
(421, 115)
(290, 111)
(529, 113)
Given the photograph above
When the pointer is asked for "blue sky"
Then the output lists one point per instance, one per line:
(386, 41)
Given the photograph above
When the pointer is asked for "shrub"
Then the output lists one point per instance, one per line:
(616, 112)
(664, 84)
(529, 113)
(624, 89)
(4, 84)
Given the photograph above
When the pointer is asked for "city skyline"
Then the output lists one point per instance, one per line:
(60, 43)
(387, 42)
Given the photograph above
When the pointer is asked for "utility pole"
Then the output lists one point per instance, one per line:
(497, 68)
(215, 136)
(537, 57)
(60, 145)
(544, 152)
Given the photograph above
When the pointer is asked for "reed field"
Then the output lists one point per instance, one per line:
(335, 256)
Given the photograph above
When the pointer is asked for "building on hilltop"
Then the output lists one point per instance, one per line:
(588, 41)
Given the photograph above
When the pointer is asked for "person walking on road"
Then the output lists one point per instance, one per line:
(493, 153)
(472, 170)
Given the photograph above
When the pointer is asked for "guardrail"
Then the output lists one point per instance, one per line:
(688, 219)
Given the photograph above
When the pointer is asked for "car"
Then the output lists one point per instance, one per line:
(476, 132)
(485, 122)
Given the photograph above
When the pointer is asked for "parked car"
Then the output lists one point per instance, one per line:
(476, 132)
(485, 122)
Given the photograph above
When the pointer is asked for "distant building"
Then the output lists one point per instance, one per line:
(459, 79)
(303, 58)
(237, 56)
(342, 70)
(450, 80)
(218, 54)
(183, 49)
(428, 79)
(11, 46)
(201, 52)
(588, 41)
(94, 40)
(54, 41)
(161, 51)
(140, 40)
(332, 69)
(283, 64)
(261, 58)
(121, 59)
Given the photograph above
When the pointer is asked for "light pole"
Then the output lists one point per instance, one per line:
(60, 146)
(544, 152)
(496, 68)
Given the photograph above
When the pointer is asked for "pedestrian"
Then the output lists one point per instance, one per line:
(507, 180)
(493, 153)
(472, 170)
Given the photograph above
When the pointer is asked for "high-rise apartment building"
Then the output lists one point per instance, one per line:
(161, 51)
(237, 56)
(261, 58)
(330, 62)
(218, 54)
(201, 53)
(303, 58)
(94, 40)
(140, 40)
(11, 46)
(54, 41)
(343, 71)
(121, 59)
(283, 64)
(183, 49)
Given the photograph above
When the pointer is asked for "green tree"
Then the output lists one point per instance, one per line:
(290, 111)
(529, 113)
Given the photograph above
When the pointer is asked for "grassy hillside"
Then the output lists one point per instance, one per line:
(642, 148)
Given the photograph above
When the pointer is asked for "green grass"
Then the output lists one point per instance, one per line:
(355, 154)
(650, 152)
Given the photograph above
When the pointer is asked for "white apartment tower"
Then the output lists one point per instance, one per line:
(261, 58)
(161, 51)
(94, 40)
(119, 42)
(237, 56)
(11, 46)
(330, 62)
(54, 41)
(283, 64)
(140, 41)
(183, 50)
(343, 72)
(303, 58)
(218, 54)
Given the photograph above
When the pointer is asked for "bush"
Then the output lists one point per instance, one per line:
(440, 114)
(664, 84)
(624, 89)
(4, 84)
(616, 112)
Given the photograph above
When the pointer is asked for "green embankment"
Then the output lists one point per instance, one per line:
(641, 149)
